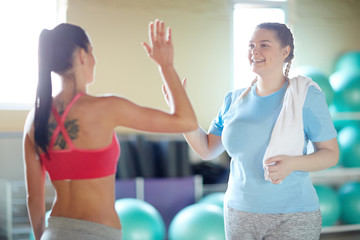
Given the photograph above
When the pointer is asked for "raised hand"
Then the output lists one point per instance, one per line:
(160, 47)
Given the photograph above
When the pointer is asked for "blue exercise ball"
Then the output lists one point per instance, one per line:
(216, 198)
(349, 195)
(349, 144)
(320, 78)
(346, 86)
(198, 222)
(139, 220)
(329, 204)
(349, 61)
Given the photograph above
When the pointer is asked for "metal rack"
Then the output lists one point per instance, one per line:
(14, 221)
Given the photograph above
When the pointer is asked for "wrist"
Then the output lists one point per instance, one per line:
(166, 67)
(296, 163)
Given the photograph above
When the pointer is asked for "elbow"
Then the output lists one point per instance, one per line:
(190, 125)
(193, 125)
(31, 201)
(34, 201)
(206, 155)
(335, 159)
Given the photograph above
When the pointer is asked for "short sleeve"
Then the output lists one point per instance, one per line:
(318, 125)
(217, 124)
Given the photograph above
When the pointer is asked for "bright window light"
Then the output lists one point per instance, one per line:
(21, 22)
(246, 18)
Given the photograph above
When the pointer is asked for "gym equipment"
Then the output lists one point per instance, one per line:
(329, 204)
(349, 143)
(139, 220)
(198, 221)
(320, 78)
(349, 195)
(349, 61)
(216, 198)
(341, 123)
(346, 86)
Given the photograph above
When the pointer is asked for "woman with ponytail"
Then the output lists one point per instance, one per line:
(265, 129)
(71, 136)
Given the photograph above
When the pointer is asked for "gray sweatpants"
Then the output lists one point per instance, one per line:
(241, 225)
(61, 228)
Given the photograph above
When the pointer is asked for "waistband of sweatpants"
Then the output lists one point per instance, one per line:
(84, 226)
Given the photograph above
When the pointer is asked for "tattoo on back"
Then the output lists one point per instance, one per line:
(72, 129)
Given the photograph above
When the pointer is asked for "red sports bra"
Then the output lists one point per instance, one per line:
(74, 163)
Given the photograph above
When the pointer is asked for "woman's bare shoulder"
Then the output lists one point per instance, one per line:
(108, 102)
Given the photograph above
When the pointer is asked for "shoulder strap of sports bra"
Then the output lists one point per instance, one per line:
(61, 121)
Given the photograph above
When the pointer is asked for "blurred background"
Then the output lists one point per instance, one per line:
(210, 39)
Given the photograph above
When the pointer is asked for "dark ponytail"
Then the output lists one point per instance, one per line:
(44, 90)
(56, 50)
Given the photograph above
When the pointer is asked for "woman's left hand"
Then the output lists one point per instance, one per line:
(278, 168)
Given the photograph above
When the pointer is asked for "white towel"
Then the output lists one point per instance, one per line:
(287, 137)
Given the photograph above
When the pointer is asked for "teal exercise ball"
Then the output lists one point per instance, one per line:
(341, 123)
(329, 204)
(32, 236)
(349, 61)
(320, 78)
(216, 198)
(139, 220)
(47, 215)
(346, 86)
(349, 195)
(198, 221)
(349, 144)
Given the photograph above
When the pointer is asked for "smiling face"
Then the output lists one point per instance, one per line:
(266, 55)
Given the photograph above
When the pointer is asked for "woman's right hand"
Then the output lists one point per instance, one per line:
(160, 47)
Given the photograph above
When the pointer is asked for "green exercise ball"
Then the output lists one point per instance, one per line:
(349, 195)
(320, 78)
(346, 86)
(349, 143)
(47, 215)
(139, 220)
(216, 198)
(31, 236)
(349, 61)
(329, 204)
(198, 221)
(341, 123)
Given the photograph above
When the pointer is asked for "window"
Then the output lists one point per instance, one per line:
(246, 15)
(21, 22)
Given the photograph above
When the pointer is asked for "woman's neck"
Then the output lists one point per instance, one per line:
(69, 88)
(269, 84)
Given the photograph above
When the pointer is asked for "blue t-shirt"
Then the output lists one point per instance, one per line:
(245, 128)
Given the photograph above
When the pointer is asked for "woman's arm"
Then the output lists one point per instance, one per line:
(206, 145)
(35, 182)
(326, 155)
(182, 117)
